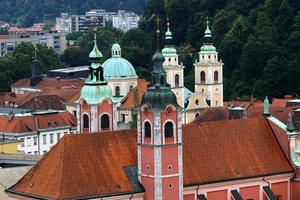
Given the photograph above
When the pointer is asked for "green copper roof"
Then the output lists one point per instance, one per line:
(159, 94)
(208, 48)
(118, 67)
(169, 51)
(95, 88)
(116, 47)
(207, 31)
(95, 53)
(168, 34)
(95, 94)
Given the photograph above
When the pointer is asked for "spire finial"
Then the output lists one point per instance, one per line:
(157, 31)
(95, 36)
(266, 107)
(290, 125)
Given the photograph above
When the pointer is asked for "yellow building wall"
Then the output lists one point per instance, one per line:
(11, 148)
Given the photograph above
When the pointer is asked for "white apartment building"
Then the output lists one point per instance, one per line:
(126, 20)
(39, 130)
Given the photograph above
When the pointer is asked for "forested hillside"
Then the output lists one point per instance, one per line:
(27, 12)
(258, 41)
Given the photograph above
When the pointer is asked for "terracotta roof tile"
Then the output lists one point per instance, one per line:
(129, 100)
(26, 124)
(93, 164)
(233, 149)
(83, 165)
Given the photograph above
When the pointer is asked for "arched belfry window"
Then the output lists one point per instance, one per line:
(169, 129)
(147, 129)
(202, 77)
(162, 80)
(176, 80)
(105, 121)
(86, 121)
(117, 91)
(216, 76)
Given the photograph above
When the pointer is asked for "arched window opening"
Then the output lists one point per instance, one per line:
(197, 115)
(147, 129)
(169, 129)
(216, 76)
(162, 80)
(176, 80)
(130, 87)
(86, 121)
(202, 77)
(117, 91)
(169, 59)
(105, 121)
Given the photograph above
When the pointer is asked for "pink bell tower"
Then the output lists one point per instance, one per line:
(160, 138)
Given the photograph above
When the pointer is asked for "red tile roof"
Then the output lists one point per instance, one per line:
(91, 164)
(25, 124)
(83, 165)
(128, 102)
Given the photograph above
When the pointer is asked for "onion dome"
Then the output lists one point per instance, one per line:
(169, 49)
(95, 89)
(208, 44)
(118, 67)
(159, 94)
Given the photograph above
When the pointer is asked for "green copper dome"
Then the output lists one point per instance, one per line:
(95, 53)
(116, 47)
(118, 67)
(169, 51)
(95, 94)
(208, 48)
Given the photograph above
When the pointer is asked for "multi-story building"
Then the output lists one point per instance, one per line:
(125, 20)
(57, 41)
(64, 23)
(38, 130)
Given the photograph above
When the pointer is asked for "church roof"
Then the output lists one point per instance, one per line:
(91, 165)
(118, 67)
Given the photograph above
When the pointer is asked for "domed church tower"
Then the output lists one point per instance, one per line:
(174, 70)
(96, 106)
(119, 73)
(209, 72)
(160, 138)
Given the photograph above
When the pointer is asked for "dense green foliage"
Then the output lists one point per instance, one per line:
(17, 65)
(27, 12)
(258, 41)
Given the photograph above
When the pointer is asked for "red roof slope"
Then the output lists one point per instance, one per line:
(28, 123)
(93, 164)
(83, 165)
(233, 149)
(129, 100)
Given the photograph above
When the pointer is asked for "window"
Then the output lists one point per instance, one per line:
(216, 103)
(35, 140)
(86, 123)
(35, 153)
(105, 121)
(170, 167)
(75, 113)
(176, 80)
(197, 115)
(28, 141)
(123, 117)
(169, 59)
(209, 57)
(147, 129)
(197, 102)
(44, 139)
(131, 87)
(117, 91)
(169, 129)
(58, 136)
(51, 138)
(216, 76)
(202, 77)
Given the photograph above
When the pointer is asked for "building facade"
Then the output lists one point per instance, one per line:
(125, 20)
